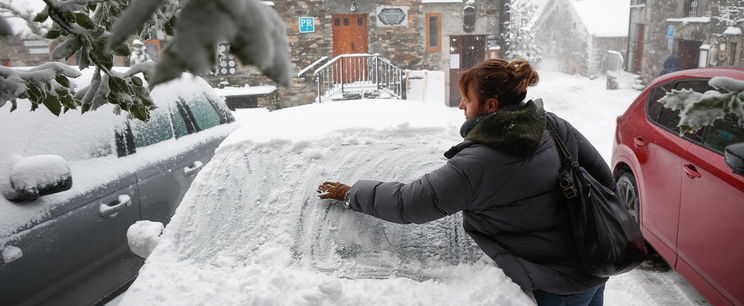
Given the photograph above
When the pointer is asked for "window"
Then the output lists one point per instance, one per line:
(691, 7)
(336, 21)
(668, 118)
(724, 132)
(360, 20)
(203, 112)
(732, 54)
(179, 124)
(433, 32)
(346, 21)
(157, 129)
(654, 108)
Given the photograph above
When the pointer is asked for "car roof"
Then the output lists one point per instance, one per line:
(702, 73)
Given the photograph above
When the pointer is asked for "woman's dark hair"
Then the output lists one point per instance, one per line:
(505, 81)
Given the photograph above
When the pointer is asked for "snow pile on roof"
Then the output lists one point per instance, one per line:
(690, 20)
(245, 90)
(732, 31)
(604, 18)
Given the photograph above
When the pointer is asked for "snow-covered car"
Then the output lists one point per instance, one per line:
(686, 191)
(252, 230)
(72, 185)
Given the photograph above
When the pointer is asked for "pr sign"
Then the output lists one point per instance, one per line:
(307, 24)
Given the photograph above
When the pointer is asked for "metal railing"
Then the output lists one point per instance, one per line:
(357, 76)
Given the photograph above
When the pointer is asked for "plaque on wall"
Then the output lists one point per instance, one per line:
(392, 16)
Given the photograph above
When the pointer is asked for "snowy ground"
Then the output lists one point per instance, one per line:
(252, 231)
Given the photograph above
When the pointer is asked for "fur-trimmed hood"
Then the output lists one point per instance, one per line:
(516, 131)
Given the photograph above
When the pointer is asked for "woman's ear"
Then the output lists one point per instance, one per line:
(492, 105)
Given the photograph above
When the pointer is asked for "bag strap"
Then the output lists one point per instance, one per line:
(566, 182)
(567, 159)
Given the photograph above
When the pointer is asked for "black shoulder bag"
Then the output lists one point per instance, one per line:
(608, 238)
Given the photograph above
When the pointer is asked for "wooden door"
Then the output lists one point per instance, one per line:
(638, 59)
(466, 52)
(689, 53)
(350, 37)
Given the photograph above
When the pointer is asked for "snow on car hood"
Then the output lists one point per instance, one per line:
(252, 230)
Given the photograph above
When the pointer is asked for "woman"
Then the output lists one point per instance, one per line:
(503, 177)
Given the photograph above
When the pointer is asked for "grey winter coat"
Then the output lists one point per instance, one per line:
(503, 178)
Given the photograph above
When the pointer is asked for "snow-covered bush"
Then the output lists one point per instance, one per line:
(698, 110)
(95, 30)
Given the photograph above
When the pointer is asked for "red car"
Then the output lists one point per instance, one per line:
(685, 190)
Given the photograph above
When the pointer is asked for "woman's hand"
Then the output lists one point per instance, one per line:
(333, 190)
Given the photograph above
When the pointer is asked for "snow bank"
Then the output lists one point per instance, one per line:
(143, 237)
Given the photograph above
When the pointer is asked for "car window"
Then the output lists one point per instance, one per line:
(204, 113)
(654, 107)
(157, 129)
(722, 133)
(669, 118)
(179, 124)
(226, 115)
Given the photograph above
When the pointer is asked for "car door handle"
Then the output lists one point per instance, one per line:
(691, 171)
(193, 169)
(638, 141)
(112, 209)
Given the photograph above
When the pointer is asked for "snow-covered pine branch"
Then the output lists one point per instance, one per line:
(698, 110)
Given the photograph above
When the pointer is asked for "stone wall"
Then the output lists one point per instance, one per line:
(404, 46)
(18, 52)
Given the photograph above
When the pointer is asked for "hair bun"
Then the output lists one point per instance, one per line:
(523, 74)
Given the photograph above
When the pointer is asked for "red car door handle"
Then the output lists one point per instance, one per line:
(638, 141)
(691, 171)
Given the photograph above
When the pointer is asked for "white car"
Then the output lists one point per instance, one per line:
(73, 184)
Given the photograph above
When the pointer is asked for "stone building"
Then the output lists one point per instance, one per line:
(443, 35)
(17, 51)
(576, 35)
(701, 33)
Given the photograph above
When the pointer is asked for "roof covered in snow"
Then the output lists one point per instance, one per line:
(604, 18)
(601, 18)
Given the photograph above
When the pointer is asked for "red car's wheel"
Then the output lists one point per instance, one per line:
(628, 193)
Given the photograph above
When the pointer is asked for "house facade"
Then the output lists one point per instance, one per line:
(441, 35)
(701, 33)
(577, 35)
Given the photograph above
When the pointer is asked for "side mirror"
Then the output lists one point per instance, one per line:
(735, 157)
(39, 175)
